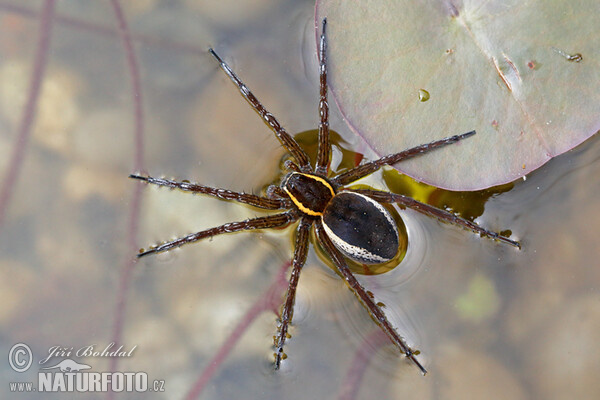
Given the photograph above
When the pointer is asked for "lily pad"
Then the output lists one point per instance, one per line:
(524, 74)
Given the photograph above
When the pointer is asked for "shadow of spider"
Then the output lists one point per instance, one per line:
(350, 223)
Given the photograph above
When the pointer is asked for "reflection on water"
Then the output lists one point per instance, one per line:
(491, 321)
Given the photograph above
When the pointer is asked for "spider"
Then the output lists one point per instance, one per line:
(348, 222)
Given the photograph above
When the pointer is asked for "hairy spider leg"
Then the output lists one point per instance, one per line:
(324, 146)
(291, 166)
(270, 203)
(269, 221)
(368, 168)
(288, 306)
(285, 138)
(442, 215)
(276, 192)
(376, 312)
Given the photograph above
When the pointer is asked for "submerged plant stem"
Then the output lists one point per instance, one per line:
(37, 77)
(132, 225)
(269, 300)
(360, 363)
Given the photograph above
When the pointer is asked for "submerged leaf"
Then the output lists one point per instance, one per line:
(524, 74)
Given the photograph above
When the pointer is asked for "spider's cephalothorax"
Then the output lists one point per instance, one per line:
(350, 223)
(310, 193)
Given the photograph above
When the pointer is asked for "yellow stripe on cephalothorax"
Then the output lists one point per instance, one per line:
(303, 207)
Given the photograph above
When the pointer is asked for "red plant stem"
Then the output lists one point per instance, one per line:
(270, 300)
(359, 364)
(132, 225)
(37, 77)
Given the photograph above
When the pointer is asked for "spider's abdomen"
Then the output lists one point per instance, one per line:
(361, 228)
(310, 193)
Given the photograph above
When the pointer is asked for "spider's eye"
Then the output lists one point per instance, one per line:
(361, 228)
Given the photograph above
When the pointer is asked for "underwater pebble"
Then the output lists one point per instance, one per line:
(180, 61)
(552, 274)
(36, 184)
(563, 359)
(231, 12)
(467, 374)
(80, 182)
(211, 317)
(405, 387)
(153, 337)
(57, 110)
(5, 152)
(527, 312)
(134, 8)
(60, 237)
(105, 138)
(14, 291)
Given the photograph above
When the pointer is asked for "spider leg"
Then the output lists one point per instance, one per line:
(370, 167)
(442, 215)
(269, 221)
(376, 312)
(291, 166)
(275, 192)
(224, 194)
(286, 139)
(324, 146)
(288, 306)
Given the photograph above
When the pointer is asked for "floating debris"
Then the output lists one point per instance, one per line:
(577, 57)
